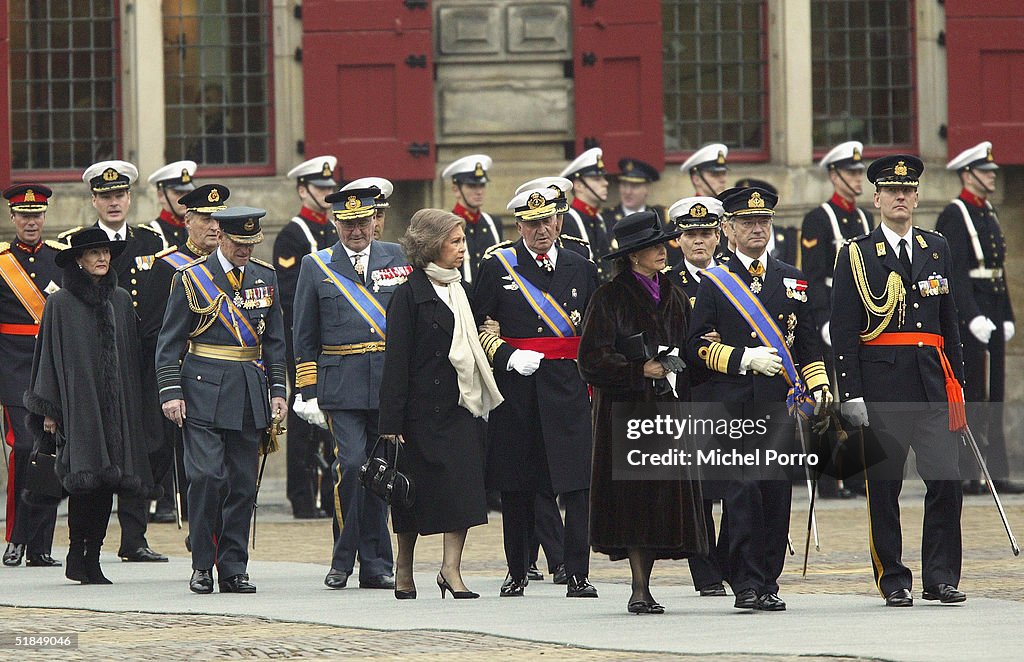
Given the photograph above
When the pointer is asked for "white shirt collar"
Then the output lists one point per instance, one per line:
(893, 240)
(694, 269)
(111, 232)
(745, 261)
(627, 212)
(351, 253)
(552, 253)
(226, 263)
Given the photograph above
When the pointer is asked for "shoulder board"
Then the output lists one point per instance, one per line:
(575, 239)
(198, 260)
(4, 246)
(147, 228)
(858, 237)
(926, 230)
(64, 234)
(262, 263)
(503, 244)
(166, 251)
(55, 245)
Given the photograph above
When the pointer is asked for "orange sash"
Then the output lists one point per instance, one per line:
(22, 286)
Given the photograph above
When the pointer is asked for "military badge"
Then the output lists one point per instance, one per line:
(574, 293)
(389, 276)
(934, 286)
(921, 241)
(795, 289)
(755, 285)
(575, 317)
(261, 326)
(880, 249)
(257, 297)
(144, 262)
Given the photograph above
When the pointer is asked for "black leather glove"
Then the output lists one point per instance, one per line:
(671, 363)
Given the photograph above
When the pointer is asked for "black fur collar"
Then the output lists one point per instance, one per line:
(84, 287)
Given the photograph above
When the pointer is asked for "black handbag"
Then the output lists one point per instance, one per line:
(41, 477)
(380, 475)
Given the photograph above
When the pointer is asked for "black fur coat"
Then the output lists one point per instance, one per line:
(86, 374)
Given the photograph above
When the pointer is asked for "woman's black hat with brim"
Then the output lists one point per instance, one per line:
(637, 231)
(83, 241)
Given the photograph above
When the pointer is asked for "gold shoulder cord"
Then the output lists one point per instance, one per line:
(207, 314)
(895, 296)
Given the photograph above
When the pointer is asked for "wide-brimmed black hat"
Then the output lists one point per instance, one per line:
(82, 241)
(640, 230)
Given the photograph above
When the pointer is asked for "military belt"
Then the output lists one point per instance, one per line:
(982, 272)
(226, 352)
(19, 329)
(355, 348)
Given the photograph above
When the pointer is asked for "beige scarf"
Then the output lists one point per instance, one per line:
(478, 392)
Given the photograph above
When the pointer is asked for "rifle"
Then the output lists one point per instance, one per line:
(968, 438)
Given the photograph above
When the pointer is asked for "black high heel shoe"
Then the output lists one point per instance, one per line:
(443, 584)
(405, 595)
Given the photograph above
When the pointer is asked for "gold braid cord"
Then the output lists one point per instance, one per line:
(207, 314)
(894, 297)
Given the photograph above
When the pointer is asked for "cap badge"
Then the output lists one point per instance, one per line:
(110, 175)
(721, 158)
(249, 225)
(755, 201)
(900, 169)
(185, 177)
(30, 196)
(214, 196)
(479, 170)
(535, 201)
(988, 154)
(353, 202)
(326, 172)
(629, 166)
(856, 154)
(698, 211)
(600, 163)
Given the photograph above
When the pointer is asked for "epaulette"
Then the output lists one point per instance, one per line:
(166, 251)
(503, 244)
(148, 228)
(262, 263)
(935, 232)
(198, 260)
(55, 245)
(72, 231)
(4, 246)
(570, 237)
(858, 237)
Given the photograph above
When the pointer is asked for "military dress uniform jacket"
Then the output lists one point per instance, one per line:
(789, 311)
(291, 244)
(158, 286)
(613, 215)
(216, 391)
(16, 341)
(172, 230)
(818, 248)
(324, 317)
(977, 289)
(588, 224)
(895, 373)
(552, 402)
(480, 235)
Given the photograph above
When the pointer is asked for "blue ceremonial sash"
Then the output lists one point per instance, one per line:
(358, 296)
(750, 309)
(553, 315)
(177, 259)
(230, 316)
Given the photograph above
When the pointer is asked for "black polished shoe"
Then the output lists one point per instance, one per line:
(845, 493)
(559, 576)
(201, 582)
(899, 598)
(336, 579)
(746, 599)
(513, 588)
(944, 593)
(237, 584)
(309, 513)
(13, 555)
(42, 561)
(716, 590)
(163, 517)
(405, 595)
(580, 587)
(143, 555)
(1008, 486)
(769, 602)
(380, 581)
(533, 574)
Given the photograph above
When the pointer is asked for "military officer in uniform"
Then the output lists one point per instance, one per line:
(339, 335)
(561, 187)
(308, 231)
(784, 244)
(540, 438)
(896, 340)
(202, 239)
(971, 227)
(28, 274)
(589, 190)
(635, 178)
(110, 183)
(380, 203)
(221, 369)
(768, 352)
(469, 186)
(708, 170)
(172, 181)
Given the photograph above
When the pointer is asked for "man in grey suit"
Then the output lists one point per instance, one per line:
(338, 334)
(221, 374)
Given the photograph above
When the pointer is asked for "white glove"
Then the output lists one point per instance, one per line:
(855, 411)
(524, 361)
(982, 327)
(1009, 330)
(309, 412)
(825, 335)
(764, 360)
(822, 400)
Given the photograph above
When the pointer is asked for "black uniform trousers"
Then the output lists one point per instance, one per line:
(518, 510)
(985, 414)
(33, 523)
(360, 518)
(935, 447)
(547, 531)
(758, 533)
(221, 466)
(301, 453)
(712, 569)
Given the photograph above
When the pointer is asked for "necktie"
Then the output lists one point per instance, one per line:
(756, 270)
(545, 262)
(357, 264)
(904, 257)
(235, 278)
(117, 236)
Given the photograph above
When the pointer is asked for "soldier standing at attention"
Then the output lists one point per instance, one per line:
(971, 227)
(635, 178)
(589, 190)
(172, 181)
(221, 371)
(307, 232)
(469, 185)
(28, 274)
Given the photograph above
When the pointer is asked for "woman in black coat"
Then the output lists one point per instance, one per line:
(84, 398)
(627, 320)
(437, 389)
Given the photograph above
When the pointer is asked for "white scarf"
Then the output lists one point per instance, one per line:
(478, 392)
